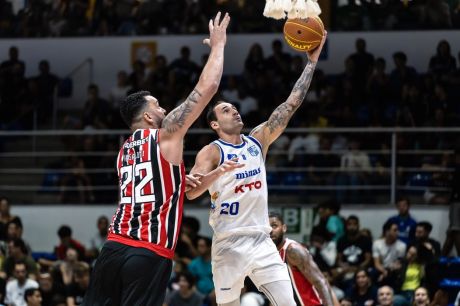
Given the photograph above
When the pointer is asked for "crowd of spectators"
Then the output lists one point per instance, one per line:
(62, 18)
(402, 267)
(365, 94)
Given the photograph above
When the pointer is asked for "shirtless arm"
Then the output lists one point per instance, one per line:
(270, 130)
(299, 257)
(179, 120)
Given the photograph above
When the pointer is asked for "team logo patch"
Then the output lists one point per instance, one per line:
(231, 156)
(214, 198)
(253, 150)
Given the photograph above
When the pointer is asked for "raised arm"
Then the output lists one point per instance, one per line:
(270, 130)
(208, 169)
(299, 257)
(179, 120)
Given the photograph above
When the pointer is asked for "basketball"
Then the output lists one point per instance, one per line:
(303, 34)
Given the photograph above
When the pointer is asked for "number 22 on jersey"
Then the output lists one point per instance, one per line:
(128, 174)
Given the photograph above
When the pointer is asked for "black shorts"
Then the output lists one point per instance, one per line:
(128, 276)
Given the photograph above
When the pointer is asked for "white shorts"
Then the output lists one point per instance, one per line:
(240, 255)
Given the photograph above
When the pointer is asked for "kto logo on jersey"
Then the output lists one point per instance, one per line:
(250, 186)
(253, 150)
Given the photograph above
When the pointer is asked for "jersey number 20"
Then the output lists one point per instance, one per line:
(230, 208)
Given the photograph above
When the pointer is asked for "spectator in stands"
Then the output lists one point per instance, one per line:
(279, 61)
(50, 289)
(184, 70)
(406, 224)
(187, 294)
(328, 212)
(363, 292)
(15, 288)
(421, 297)
(33, 297)
(364, 61)
(323, 248)
(120, 90)
(6, 67)
(14, 231)
(435, 14)
(201, 269)
(388, 252)
(95, 112)
(17, 252)
(63, 270)
(355, 166)
(186, 248)
(413, 270)
(138, 76)
(422, 236)
(354, 251)
(158, 80)
(443, 62)
(254, 63)
(378, 84)
(98, 240)
(402, 74)
(76, 185)
(66, 241)
(77, 289)
(6, 217)
(47, 84)
(385, 296)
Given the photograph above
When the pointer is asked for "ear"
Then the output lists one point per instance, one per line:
(147, 117)
(284, 228)
(214, 125)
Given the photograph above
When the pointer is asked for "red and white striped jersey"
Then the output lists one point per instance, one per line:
(152, 189)
(304, 292)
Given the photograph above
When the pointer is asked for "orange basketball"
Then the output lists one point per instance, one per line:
(304, 34)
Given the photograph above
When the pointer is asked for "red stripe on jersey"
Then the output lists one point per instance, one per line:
(303, 289)
(168, 185)
(180, 206)
(148, 189)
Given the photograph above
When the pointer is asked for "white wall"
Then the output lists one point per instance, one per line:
(113, 54)
(41, 222)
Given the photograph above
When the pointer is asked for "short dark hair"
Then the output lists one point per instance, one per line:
(29, 292)
(426, 226)
(211, 114)
(387, 226)
(64, 231)
(131, 107)
(206, 240)
(19, 243)
(330, 204)
(3, 198)
(353, 217)
(403, 199)
(401, 55)
(276, 215)
(16, 222)
(189, 277)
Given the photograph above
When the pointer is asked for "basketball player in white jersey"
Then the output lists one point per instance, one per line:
(234, 169)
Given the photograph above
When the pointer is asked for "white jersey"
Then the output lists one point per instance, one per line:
(239, 198)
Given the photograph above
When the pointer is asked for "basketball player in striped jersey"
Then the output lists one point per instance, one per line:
(309, 284)
(239, 210)
(136, 261)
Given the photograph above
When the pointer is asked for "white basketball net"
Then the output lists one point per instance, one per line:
(279, 9)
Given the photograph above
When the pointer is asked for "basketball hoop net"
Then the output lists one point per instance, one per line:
(279, 9)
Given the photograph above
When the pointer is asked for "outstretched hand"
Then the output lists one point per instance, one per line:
(217, 30)
(313, 55)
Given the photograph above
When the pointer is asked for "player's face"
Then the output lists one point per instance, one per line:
(278, 231)
(228, 119)
(154, 110)
(421, 297)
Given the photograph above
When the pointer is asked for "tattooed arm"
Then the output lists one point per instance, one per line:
(299, 257)
(270, 130)
(177, 122)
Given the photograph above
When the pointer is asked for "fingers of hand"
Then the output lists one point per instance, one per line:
(225, 21)
(211, 26)
(217, 19)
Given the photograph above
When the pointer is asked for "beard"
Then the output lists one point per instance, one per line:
(277, 240)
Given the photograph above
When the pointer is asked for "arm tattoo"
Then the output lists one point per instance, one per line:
(176, 119)
(280, 117)
(299, 257)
